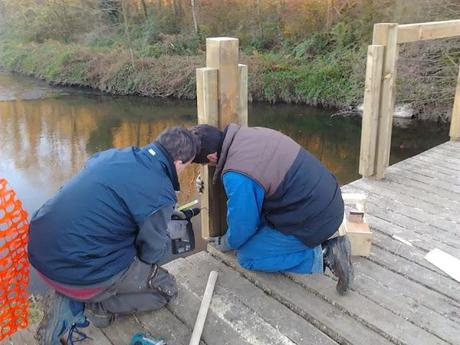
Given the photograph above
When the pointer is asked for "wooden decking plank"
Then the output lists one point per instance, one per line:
(379, 317)
(422, 183)
(96, 335)
(427, 177)
(331, 319)
(419, 234)
(165, 324)
(415, 187)
(228, 321)
(26, 337)
(428, 167)
(299, 330)
(441, 226)
(122, 330)
(415, 220)
(439, 161)
(390, 194)
(452, 145)
(376, 316)
(415, 272)
(21, 337)
(396, 292)
(447, 151)
(395, 224)
(409, 207)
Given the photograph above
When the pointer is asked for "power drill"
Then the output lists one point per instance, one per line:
(180, 230)
(141, 339)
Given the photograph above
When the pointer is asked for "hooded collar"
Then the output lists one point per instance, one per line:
(158, 151)
(229, 135)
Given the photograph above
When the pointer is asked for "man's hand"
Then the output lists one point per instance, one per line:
(199, 184)
(220, 242)
(178, 215)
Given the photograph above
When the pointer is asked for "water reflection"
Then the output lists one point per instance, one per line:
(43, 142)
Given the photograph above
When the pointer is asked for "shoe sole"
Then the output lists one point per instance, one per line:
(343, 265)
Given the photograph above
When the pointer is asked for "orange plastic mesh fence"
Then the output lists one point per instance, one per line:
(14, 265)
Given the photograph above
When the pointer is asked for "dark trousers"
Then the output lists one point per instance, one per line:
(142, 287)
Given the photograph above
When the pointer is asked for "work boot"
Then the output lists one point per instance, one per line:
(98, 316)
(337, 257)
(61, 321)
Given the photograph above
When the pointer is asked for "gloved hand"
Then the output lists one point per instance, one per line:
(199, 184)
(220, 242)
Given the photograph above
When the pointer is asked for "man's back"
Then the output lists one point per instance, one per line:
(86, 233)
(302, 197)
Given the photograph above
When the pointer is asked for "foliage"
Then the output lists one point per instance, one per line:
(303, 51)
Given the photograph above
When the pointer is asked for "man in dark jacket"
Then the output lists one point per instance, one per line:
(100, 241)
(283, 205)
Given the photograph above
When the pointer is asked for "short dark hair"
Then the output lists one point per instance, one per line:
(210, 138)
(180, 143)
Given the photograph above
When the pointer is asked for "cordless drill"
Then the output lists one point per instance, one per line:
(141, 339)
(180, 230)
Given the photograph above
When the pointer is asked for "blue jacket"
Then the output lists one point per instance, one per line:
(260, 247)
(88, 231)
(301, 197)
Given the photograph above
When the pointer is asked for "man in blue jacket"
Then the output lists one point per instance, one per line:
(283, 205)
(100, 241)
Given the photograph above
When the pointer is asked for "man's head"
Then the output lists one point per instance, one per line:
(181, 144)
(211, 139)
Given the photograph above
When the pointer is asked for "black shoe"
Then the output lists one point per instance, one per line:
(337, 257)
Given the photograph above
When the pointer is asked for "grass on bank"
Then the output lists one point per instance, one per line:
(326, 80)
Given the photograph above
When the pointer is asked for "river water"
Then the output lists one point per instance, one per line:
(47, 133)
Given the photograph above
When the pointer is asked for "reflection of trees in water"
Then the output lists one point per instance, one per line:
(44, 137)
(49, 140)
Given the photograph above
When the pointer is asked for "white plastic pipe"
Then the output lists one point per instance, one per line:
(205, 302)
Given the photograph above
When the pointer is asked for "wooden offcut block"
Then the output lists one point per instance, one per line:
(360, 237)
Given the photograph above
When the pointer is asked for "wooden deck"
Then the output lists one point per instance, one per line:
(398, 297)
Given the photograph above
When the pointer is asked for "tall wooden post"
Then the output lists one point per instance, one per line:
(371, 108)
(221, 99)
(387, 35)
(455, 119)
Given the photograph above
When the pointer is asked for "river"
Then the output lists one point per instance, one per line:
(47, 133)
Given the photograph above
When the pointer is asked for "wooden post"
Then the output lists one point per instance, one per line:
(207, 108)
(371, 109)
(225, 97)
(223, 53)
(455, 119)
(386, 35)
(243, 95)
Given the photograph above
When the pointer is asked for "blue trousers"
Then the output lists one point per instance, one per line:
(269, 250)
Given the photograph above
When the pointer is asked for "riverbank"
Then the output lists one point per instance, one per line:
(325, 81)
(309, 52)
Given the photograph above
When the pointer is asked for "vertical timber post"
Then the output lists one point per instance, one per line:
(207, 109)
(454, 132)
(243, 95)
(371, 106)
(221, 100)
(387, 35)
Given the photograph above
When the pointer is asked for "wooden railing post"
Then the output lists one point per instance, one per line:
(455, 119)
(207, 109)
(243, 95)
(371, 108)
(386, 34)
(221, 99)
